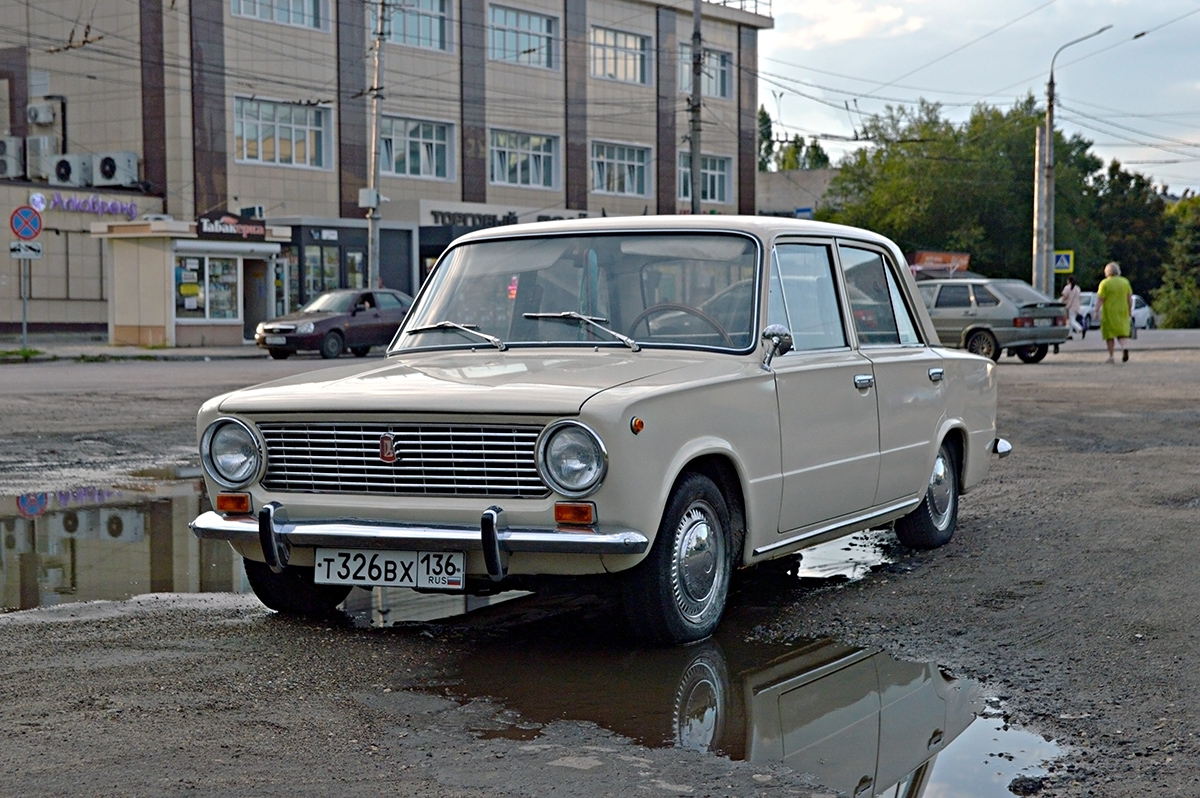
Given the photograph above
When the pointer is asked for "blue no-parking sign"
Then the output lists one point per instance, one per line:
(25, 222)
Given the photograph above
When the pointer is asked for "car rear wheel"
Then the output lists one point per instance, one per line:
(280, 354)
(982, 342)
(293, 591)
(331, 345)
(360, 351)
(1034, 353)
(933, 522)
(677, 594)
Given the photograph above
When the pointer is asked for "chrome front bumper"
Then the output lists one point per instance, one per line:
(493, 537)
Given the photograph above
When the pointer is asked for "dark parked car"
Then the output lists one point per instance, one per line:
(335, 321)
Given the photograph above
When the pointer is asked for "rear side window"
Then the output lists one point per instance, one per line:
(803, 295)
(954, 296)
(389, 301)
(880, 315)
(985, 298)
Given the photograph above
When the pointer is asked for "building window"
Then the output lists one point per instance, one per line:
(716, 73)
(714, 178)
(280, 133)
(414, 148)
(619, 169)
(521, 37)
(523, 159)
(422, 23)
(619, 56)
(207, 288)
(302, 13)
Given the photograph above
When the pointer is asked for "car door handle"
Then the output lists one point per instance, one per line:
(937, 375)
(863, 381)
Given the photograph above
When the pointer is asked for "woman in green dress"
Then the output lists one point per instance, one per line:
(1114, 305)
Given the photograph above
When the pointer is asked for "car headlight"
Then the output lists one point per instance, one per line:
(304, 327)
(230, 453)
(262, 325)
(572, 459)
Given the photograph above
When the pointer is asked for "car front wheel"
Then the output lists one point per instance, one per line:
(293, 592)
(280, 354)
(360, 351)
(677, 594)
(982, 342)
(331, 346)
(933, 522)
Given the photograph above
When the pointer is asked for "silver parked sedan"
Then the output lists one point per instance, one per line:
(987, 316)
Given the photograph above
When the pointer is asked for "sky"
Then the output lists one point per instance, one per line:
(829, 64)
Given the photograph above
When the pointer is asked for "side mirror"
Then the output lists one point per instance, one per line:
(778, 339)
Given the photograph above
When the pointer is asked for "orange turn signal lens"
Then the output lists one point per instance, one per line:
(575, 513)
(233, 503)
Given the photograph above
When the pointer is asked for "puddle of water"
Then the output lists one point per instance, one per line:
(859, 720)
(851, 557)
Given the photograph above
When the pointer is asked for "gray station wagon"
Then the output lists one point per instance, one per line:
(987, 316)
(656, 400)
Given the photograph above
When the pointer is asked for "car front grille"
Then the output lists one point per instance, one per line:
(430, 459)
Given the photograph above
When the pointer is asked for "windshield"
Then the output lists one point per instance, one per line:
(673, 289)
(330, 303)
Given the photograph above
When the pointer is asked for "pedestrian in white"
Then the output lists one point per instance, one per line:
(1070, 298)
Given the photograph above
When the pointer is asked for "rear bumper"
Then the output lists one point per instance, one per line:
(493, 537)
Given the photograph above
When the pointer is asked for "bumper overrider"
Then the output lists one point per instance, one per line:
(277, 536)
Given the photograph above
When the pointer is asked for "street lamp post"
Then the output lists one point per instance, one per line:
(1043, 187)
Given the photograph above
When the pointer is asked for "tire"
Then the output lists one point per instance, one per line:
(293, 592)
(702, 700)
(331, 345)
(933, 522)
(1034, 353)
(982, 342)
(280, 354)
(1151, 324)
(360, 351)
(677, 594)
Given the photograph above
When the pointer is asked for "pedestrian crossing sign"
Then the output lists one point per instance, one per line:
(1064, 261)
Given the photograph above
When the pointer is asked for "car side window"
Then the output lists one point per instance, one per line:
(880, 315)
(389, 302)
(928, 292)
(985, 298)
(803, 292)
(954, 296)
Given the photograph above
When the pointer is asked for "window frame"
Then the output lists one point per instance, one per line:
(388, 165)
(421, 13)
(718, 74)
(269, 11)
(897, 296)
(204, 281)
(725, 178)
(604, 52)
(554, 156)
(325, 134)
(498, 38)
(647, 172)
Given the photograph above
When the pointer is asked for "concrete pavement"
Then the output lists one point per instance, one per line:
(95, 347)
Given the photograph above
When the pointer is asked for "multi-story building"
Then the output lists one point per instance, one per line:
(490, 112)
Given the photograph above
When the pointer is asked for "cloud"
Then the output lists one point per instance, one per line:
(842, 21)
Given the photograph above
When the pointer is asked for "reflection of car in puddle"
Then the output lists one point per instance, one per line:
(859, 720)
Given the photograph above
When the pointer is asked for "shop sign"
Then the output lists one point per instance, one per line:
(74, 203)
(226, 226)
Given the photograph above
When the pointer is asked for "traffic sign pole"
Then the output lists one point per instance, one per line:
(23, 276)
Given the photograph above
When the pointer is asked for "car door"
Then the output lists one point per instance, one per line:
(827, 415)
(952, 312)
(909, 391)
(365, 321)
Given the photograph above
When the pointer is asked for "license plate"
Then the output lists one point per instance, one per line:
(1043, 322)
(276, 340)
(433, 570)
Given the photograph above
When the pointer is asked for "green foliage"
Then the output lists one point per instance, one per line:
(795, 155)
(1178, 298)
(766, 140)
(929, 184)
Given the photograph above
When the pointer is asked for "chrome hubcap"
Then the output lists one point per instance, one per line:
(699, 560)
(941, 491)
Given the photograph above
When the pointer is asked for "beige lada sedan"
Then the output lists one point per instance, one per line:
(661, 400)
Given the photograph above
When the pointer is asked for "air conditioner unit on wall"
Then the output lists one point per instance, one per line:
(40, 153)
(71, 170)
(39, 114)
(16, 536)
(124, 525)
(114, 169)
(12, 161)
(81, 524)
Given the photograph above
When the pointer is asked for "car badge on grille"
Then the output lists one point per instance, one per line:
(387, 448)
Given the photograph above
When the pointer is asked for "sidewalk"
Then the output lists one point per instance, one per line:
(95, 347)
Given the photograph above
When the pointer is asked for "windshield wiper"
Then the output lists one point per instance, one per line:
(470, 329)
(595, 321)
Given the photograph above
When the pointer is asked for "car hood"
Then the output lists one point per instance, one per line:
(513, 382)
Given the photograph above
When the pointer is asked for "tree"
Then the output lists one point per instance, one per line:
(815, 156)
(790, 155)
(766, 139)
(1178, 298)
(1132, 218)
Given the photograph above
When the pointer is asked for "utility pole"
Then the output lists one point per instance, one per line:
(372, 201)
(694, 109)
